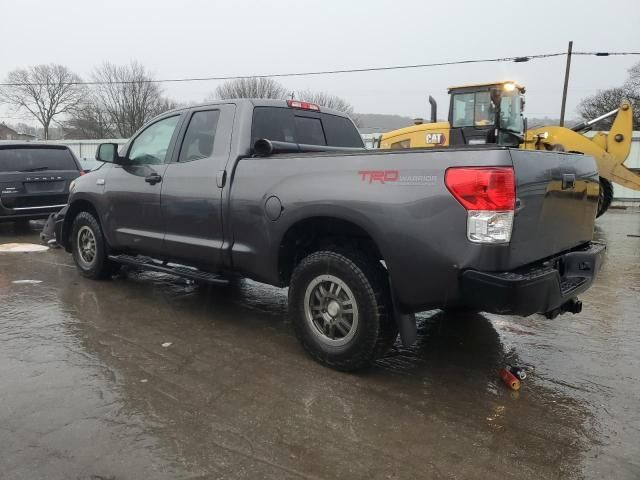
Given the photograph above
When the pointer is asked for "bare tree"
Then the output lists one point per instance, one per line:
(254, 87)
(632, 85)
(607, 100)
(128, 96)
(45, 91)
(88, 121)
(330, 101)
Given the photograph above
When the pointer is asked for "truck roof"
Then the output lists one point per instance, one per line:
(256, 102)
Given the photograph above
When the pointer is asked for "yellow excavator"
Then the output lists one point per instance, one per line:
(492, 113)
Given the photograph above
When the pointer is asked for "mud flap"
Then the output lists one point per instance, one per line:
(48, 231)
(406, 322)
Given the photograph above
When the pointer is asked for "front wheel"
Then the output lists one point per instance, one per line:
(341, 309)
(89, 247)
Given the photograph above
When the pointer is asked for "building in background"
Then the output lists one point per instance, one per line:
(8, 133)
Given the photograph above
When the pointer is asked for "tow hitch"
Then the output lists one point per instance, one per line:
(572, 306)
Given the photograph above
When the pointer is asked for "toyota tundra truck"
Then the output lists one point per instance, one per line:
(284, 193)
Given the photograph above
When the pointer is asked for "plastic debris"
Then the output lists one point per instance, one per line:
(144, 380)
(167, 344)
(518, 372)
(509, 379)
(26, 282)
(22, 247)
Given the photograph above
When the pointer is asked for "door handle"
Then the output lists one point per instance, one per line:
(221, 178)
(153, 178)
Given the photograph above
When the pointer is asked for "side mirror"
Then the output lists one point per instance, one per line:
(108, 153)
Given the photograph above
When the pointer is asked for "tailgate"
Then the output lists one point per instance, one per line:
(556, 202)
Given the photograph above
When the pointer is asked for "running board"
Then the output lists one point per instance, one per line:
(147, 263)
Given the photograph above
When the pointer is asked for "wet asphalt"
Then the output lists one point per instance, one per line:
(88, 391)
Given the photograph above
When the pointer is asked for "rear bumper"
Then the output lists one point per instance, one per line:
(538, 288)
(34, 212)
(10, 216)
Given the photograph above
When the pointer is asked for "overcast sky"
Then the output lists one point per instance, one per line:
(189, 38)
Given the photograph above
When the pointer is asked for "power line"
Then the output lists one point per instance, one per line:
(519, 59)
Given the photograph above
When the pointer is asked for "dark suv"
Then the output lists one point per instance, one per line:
(34, 179)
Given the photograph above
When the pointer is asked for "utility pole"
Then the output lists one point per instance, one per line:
(566, 84)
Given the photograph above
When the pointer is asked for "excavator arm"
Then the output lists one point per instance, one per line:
(610, 150)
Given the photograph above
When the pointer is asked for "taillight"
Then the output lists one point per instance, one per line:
(303, 105)
(488, 194)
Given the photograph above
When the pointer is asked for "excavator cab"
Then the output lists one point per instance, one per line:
(486, 113)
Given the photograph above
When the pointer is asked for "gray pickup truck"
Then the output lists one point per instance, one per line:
(283, 192)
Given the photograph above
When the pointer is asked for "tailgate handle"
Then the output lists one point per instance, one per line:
(568, 181)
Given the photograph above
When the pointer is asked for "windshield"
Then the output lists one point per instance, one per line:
(511, 112)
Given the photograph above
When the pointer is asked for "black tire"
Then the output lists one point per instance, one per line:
(366, 282)
(98, 267)
(605, 198)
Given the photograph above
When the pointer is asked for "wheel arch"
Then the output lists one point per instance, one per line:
(314, 233)
(77, 206)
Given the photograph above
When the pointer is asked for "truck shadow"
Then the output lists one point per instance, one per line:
(20, 229)
(232, 386)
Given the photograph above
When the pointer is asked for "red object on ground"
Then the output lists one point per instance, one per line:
(509, 379)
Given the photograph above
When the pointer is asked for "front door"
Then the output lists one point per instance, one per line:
(192, 190)
(133, 219)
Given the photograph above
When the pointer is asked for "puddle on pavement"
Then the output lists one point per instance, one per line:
(22, 248)
(234, 395)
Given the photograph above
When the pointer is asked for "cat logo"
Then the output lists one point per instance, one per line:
(435, 139)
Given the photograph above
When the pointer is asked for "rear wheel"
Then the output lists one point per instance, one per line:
(341, 309)
(606, 196)
(89, 247)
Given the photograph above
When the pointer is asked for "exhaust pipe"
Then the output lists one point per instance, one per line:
(434, 109)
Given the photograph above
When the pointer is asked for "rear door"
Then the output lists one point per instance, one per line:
(192, 188)
(132, 189)
(557, 198)
(35, 178)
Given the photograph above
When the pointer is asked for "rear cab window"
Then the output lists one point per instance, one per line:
(35, 159)
(283, 124)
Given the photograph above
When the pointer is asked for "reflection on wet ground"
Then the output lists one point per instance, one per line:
(88, 391)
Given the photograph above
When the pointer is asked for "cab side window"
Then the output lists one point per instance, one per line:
(152, 145)
(200, 136)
